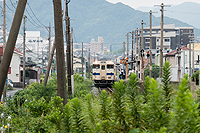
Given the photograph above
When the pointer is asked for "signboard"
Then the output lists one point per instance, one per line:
(9, 71)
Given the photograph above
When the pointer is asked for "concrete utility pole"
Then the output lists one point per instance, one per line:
(142, 52)
(132, 50)
(193, 59)
(127, 44)
(82, 59)
(124, 49)
(11, 43)
(150, 52)
(190, 60)
(4, 38)
(89, 65)
(94, 56)
(49, 64)
(67, 19)
(161, 42)
(49, 41)
(191, 37)
(136, 67)
(38, 50)
(60, 60)
(72, 34)
(24, 51)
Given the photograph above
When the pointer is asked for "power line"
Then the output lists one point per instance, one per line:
(36, 16)
(12, 4)
(9, 7)
(38, 26)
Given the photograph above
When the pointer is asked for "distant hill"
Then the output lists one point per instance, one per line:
(95, 18)
(187, 12)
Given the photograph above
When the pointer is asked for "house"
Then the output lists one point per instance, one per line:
(14, 70)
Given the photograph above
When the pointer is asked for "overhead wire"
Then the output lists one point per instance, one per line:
(35, 15)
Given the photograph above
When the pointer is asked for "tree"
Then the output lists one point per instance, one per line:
(155, 71)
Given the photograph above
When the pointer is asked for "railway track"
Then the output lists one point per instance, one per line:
(107, 89)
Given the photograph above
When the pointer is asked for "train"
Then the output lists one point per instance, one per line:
(103, 73)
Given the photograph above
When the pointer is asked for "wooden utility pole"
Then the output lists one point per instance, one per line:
(82, 59)
(11, 43)
(89, 65)
(24, 50)
(49, 64)
(60, 60)
(136, 67)
(67, 19)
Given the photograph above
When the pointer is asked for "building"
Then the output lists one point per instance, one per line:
(14, 70)
(37, 47)
(97, 47)
(173, 37)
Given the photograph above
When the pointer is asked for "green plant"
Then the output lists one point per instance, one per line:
(195, 77)
(135, 101)
(155, 71)
(155, 114)
(166, 77)
(185, 114)
(120, 106)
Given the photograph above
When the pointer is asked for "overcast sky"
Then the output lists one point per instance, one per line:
(151, 3)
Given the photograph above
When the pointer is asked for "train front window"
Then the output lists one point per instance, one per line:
(110, 66)
(96, 66)
(103, 67)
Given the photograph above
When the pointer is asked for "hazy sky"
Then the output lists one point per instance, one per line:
(151, 3)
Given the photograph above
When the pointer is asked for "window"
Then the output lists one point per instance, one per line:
(157, 40)
(147, 40)
(110, 66)
(96, 66)
(166, 40)
(103, 67)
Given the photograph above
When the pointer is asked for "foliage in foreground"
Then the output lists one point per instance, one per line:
(130, 109)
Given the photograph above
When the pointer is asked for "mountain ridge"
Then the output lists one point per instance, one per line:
(95, 18)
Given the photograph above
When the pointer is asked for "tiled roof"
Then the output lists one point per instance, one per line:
(183, 48)
(15, 49)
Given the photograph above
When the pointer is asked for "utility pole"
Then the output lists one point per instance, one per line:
(82, 59)
(89, 65)
(60, 60)
(8, 52)
(49, 41)
(38, 51)
(150, 52)
(24, 51)
(94, 56)
(72, 34)
(190, 59)
(193, 59)
(142, 52)
(49, 64)
(136, 67)
(124, 49)
(127, 44)
(4, 39)
(67, 19)
(132, 50)
(161, 42)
